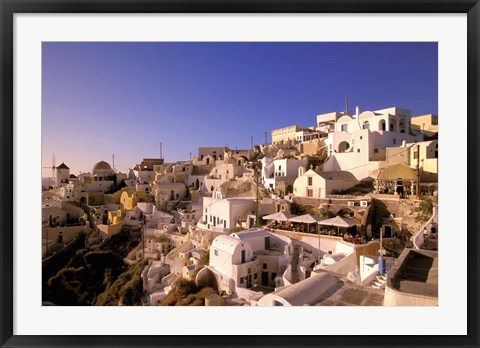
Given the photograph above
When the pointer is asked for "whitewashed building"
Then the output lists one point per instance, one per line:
(358, 143)
(222, 215)
(245, 259)
(319, 184)
(275, 169)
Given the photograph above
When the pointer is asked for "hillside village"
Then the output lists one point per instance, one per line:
(343, 212)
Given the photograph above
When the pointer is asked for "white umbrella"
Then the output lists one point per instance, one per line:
(307, 219)
(339, 222)
(280, 216)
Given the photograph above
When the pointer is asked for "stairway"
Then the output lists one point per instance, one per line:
(378, 282)
(295, 278)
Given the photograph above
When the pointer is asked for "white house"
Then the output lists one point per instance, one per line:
(222, 173)
(231, 258)
(210, 155)
(174, 173)
(272, 253)
(287, 135)
(72, 190)
(326, 122)
(319, 184)
(274, 169)
(359, 142)
(190, 216)
(222, 215)
(168, 192)
(246, 259)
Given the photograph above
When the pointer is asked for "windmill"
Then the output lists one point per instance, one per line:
(52, 177)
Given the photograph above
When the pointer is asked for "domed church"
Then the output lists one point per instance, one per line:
(102, 170)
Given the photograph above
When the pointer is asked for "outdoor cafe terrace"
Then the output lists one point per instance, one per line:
(337, 226)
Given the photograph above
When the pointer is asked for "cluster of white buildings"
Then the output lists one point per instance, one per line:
(211, 203)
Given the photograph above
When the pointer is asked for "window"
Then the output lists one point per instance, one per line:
(309, 193)
(255, 276)
(241, 280)
(310, 181)
(375, 150)
(264, 266)
(249, 271)
(344, 127)
(361, 137)
(394, 141)
(358, 150)
(382, 125)
(215, 252)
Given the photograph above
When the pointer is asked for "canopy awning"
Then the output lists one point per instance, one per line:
(280, 216)
(307, 219)
(339, 222)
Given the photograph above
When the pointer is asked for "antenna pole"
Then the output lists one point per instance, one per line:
(346, 105)
(161, 154)
(418, 172)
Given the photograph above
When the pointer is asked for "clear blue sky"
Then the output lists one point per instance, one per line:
(100, 99)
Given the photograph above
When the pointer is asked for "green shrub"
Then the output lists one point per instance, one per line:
(185, 287)
(424, 210)
(185, 293)
(205, 292)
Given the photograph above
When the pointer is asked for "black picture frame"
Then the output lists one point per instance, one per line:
(10, 7)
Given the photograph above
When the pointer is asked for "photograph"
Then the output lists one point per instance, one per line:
(240, 173)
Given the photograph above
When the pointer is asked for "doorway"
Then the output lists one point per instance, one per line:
(264, 278)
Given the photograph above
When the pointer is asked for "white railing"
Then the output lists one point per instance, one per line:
(417, 238)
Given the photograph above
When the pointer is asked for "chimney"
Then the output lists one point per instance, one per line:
(357, 111)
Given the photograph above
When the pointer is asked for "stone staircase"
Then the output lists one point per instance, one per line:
(295, 278)
(378, 282)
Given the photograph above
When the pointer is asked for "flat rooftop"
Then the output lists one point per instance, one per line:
(348, 294)
(417, 273)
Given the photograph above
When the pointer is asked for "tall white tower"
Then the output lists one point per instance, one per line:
(62, 174)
